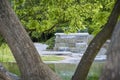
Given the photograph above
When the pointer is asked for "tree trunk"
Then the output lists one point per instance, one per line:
(26, 55)
(112, 66)
(95, 45)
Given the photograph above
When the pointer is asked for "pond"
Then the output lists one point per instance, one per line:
(64, 70)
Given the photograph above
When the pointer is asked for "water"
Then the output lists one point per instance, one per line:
(64, 70)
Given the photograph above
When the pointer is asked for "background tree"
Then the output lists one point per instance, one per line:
(41, 18)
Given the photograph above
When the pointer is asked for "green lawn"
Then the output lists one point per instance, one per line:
(51, 58)
(6, 55)
(9, 58)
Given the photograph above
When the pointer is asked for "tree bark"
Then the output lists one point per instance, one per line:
(111, 70)
(95, 45)
(26, 55)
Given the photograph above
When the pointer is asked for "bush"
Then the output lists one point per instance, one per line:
(50, 43)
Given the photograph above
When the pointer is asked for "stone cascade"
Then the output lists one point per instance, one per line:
(73, 42)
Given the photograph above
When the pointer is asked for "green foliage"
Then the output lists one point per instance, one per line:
(101, 15)
(1, 40)
(50, 42)
(48, 16)
(70, 15)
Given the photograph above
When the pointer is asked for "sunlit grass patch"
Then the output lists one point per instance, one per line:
(52, 58)
(6, 55)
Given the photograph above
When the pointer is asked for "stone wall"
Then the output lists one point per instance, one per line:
(74, 42)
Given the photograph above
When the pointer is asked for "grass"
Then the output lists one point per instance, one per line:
(65, 71)
(12, 67)
(6, 55)
(95, 71)
(52, 58)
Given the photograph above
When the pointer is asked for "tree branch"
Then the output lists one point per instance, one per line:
(95, 45)
(55, 25)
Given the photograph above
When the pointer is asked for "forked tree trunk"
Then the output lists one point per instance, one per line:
(112, 66)
(27, 57)
(95, 45)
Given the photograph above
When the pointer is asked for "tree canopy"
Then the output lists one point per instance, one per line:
(42, 18)
(39, 16)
